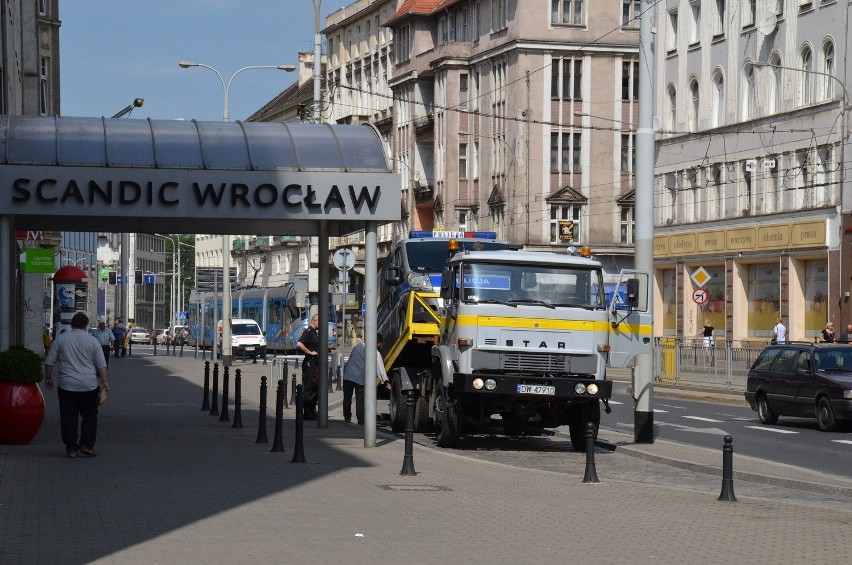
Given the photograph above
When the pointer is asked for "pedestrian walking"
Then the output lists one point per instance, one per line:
(309, 345)
(118, 337)
(82, 375)
(827, 335)
(106, 338)
(355, 376)
(709, 334)
(779, 332)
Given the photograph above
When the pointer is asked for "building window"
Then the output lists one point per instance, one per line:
(567, 12)
(565, 157)
(718, 113)
(474, 165)
(554, 152)
(477, 23)
(44, 87)
(628, 225)
(462, 220)
(749, 9)
(451, 27)
(828, 69)
(807, 66)
(563, 213)
(776, 86)
(463, 25)
(630, 80)
(497, 213)
(442, 31)
(630, 11)
(693, 109)
(671, 32)
(463, 91)
(402, 45)
(43, 8)
(499, 15)
(567, 80)
(719, 18)
(748, 93)
(764, 305)
(714, 201)
(694, 21)
(628, 153)
(462, 160)
(672, 99)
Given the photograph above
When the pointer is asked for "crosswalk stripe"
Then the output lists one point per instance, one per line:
(776, 430)
(615, 402)
(704, 419)
(658, 411)
(847, 441)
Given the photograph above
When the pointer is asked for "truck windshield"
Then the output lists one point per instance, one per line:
(547, 285)
(430, 256)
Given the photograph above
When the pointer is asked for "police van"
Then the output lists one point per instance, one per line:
(415, 263)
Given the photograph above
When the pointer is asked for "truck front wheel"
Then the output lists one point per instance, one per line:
(446, 419)
(588, 412)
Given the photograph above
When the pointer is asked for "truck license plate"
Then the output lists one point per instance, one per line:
(536, 389)
(247, 348)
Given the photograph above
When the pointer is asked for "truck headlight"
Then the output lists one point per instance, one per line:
(580, 388)
(419, 282)
(490, 384)
(478, 384)
(847, 394)
(592, 388)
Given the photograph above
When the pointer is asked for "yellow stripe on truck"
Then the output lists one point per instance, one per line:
(552, 324)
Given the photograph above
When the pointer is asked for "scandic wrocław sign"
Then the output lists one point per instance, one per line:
(186, 194)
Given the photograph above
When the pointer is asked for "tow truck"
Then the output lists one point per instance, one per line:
(514, 342)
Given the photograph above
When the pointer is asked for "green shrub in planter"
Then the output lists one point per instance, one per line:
(20, 365)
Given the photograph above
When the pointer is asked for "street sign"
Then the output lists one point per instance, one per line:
(149, 279)
(344, 259)
(699, 296)
(700, 277)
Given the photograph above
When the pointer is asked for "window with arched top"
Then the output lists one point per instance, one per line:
(806, 90)
(775, 88)
(718, 106)
(828, 67)
(694, 105)
(749, 96)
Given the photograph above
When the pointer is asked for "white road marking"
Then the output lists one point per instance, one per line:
(658, 411)
(704, 419)
(675, 407)
(615, 402)
(777, 431)
(847, 441)
(740, 419)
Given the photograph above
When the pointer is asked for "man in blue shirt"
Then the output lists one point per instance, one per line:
(354, 379)
(105, 338)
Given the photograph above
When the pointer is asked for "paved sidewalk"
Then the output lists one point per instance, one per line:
(173, 484)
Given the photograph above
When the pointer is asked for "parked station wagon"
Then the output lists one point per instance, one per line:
(811, 380)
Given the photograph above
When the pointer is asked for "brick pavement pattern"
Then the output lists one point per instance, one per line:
(172, 484)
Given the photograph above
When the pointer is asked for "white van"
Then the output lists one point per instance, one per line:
(246, 338)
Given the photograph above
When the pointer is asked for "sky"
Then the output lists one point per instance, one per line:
(112, 51)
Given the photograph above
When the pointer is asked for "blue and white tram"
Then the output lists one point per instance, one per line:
(274, 309)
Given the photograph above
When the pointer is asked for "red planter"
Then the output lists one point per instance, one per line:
(21, 412)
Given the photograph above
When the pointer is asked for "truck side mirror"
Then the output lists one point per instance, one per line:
(632, 293)
(447, 284)
(292, 308)
(393, 276)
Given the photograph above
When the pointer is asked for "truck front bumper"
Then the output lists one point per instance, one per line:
(510, 385)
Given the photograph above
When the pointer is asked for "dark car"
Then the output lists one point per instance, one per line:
(810, 380)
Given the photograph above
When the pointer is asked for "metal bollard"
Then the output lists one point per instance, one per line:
(408, 459)
(238, 412)
(224, 417)
(214, 409)
(205, 404)
(299, 449)
(129, 347)
(591, 475)
(293, 387)
(330, 374)
(261, 422)
(727, 493)
(278, 440)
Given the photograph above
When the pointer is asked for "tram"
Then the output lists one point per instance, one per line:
(274, 309)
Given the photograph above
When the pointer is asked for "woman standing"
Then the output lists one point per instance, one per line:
(828, 333)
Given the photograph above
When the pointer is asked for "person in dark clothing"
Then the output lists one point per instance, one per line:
(828, 333)
(846, 337)
(309, 344)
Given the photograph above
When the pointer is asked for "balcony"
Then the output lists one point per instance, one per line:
(424, 125)
(424, 193)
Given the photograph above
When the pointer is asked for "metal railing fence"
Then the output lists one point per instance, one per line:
(687, 361)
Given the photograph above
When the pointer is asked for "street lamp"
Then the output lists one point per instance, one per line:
(226, 239)
(227, 87)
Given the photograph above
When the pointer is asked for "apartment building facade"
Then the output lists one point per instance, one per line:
(750, 167)
(517, 117)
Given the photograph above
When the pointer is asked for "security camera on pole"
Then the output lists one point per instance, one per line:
(344, 259)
